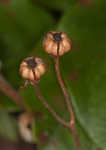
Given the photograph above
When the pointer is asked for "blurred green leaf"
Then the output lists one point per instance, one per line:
(6, 103)
(59, 5)
(30, 18)
(19, 33)
(8, 127)
(84, 68)
(20, 28)
(62, 139)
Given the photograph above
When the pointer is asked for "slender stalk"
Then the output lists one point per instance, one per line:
(56, 116)
(75, 135)
(67, 97)
(6, 88)
(68, 102)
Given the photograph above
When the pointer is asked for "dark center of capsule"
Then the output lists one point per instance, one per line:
(57, 37)
(31, 63)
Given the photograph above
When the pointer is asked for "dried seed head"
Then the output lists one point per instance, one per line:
(25, 127)
(32, 68)
(56, 43)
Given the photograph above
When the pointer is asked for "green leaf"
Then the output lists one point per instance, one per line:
(20, 28)
(84, 70)
(30, 18)
(8, 127)
(6, 103)
(62, 139)
(19, 33)
(59, 5)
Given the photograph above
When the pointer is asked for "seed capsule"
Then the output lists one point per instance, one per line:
(25, 127)
(56, 43)
(32, 68)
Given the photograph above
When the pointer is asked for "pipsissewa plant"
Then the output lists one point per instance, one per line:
(57, 44)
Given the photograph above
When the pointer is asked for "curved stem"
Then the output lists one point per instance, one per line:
(66, 95)
(58, 118)
(9, 91)
(68, 102)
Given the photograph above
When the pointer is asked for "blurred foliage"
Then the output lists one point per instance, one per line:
(23, 24)
(57, 5)
(8, 126)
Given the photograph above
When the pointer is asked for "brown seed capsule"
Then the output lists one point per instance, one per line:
(32, 68)
(25, 127)
(56, 43)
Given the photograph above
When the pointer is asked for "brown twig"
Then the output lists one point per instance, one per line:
(6, 88)
(75, 135)
(68, 102)
(56, 116)
(67, 97)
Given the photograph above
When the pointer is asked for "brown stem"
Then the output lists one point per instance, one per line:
(75, 135)
(6, 88)
(68, 102)
(55, 115)
(67, 97)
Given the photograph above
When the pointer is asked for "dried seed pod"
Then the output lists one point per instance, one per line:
(25, 127)
(56, 43)
(32, 68)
